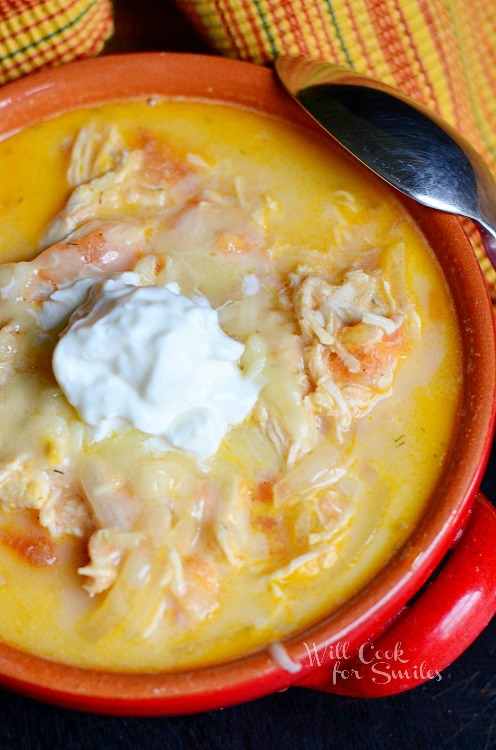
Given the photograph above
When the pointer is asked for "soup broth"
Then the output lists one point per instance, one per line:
(348, 330)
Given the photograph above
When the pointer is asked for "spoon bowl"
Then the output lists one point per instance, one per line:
(403, 142)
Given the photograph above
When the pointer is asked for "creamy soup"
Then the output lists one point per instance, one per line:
(230, 371)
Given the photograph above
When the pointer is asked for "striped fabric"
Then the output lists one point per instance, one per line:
(38, 33)
(440, 52)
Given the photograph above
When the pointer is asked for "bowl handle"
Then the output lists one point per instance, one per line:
(431, 633)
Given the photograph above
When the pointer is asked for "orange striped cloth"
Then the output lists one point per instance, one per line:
(440, 52)
(38, 33)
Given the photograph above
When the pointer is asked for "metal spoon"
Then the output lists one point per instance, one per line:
(401, 141)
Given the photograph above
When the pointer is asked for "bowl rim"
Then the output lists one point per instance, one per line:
(181, 75)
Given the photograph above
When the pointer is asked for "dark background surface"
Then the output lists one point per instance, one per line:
(457, 712)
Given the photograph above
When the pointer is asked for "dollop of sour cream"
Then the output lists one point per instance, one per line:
(152, 358)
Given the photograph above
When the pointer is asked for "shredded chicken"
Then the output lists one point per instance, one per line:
(66, 511)
(202, 586)
(110, 180)
(353, 337)
(61, 505)
(106, 549)
(233, 530)
(309, 564)
(22, 486)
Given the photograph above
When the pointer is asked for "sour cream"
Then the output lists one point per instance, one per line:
(151, 358)
(58, 308)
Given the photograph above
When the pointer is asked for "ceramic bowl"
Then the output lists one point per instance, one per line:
(449, 613)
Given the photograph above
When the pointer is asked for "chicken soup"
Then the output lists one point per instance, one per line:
(230, 371)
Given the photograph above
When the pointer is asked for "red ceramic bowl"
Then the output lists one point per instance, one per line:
(411, 643)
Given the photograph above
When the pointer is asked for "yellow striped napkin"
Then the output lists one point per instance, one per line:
(440, 52)
(37, 33)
